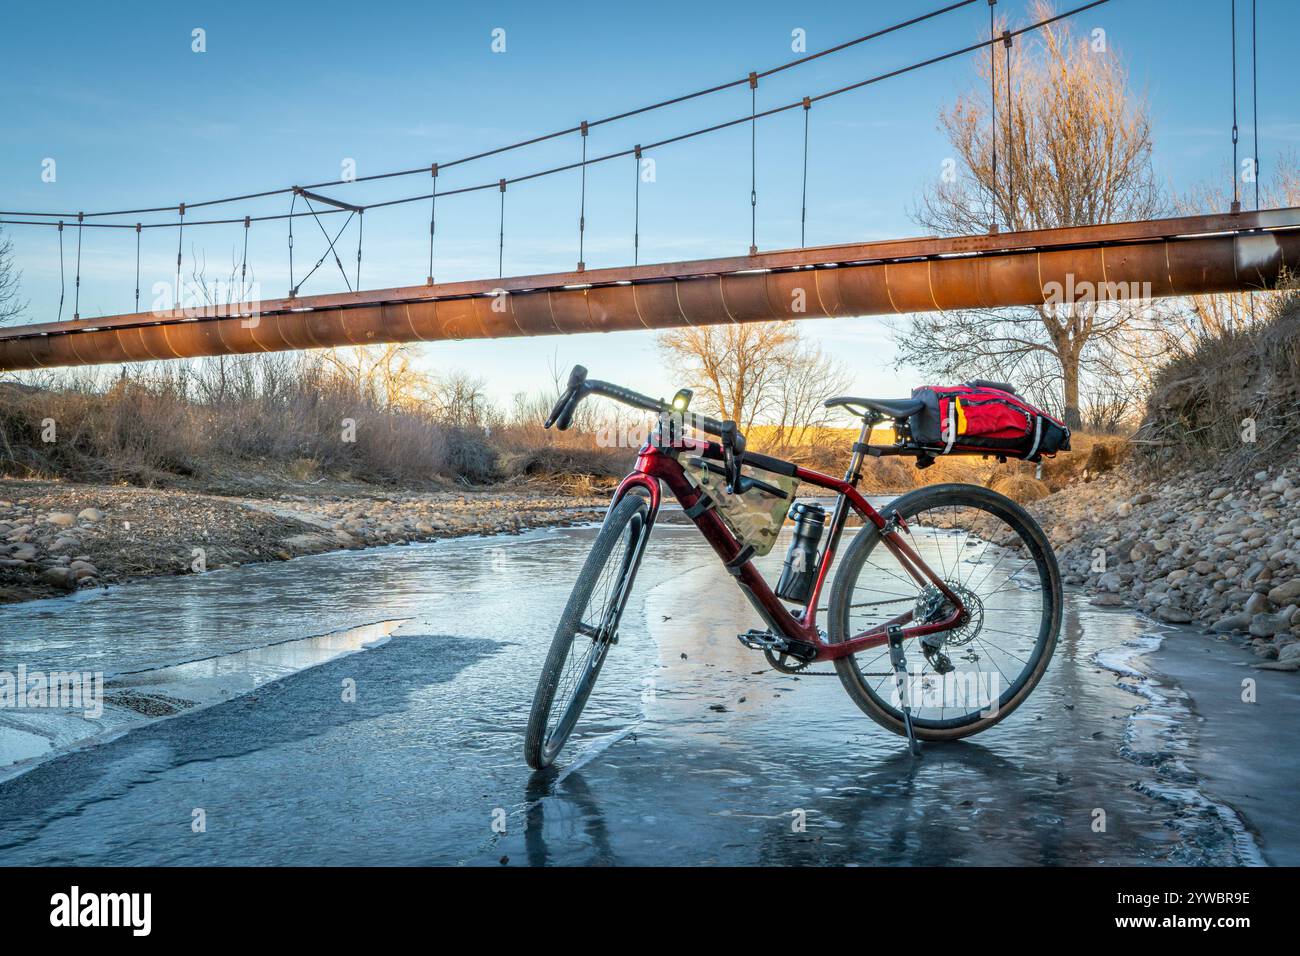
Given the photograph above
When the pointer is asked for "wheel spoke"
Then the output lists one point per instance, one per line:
(978, 551)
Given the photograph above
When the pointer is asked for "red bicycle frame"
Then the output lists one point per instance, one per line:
(657, 465)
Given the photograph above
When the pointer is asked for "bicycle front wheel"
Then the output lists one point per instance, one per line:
(996, 559)
(587, 629)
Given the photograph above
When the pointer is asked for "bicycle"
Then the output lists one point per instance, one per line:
(876, 610)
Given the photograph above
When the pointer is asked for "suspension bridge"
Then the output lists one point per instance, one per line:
(1235, 251)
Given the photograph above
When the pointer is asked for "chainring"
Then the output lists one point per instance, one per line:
(785, 663)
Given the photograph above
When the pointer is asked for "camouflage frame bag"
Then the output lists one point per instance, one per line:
(755, 517)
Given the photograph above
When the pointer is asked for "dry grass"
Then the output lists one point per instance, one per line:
(1240, 386)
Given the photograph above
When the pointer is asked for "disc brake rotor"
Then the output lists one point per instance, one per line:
(932, 605)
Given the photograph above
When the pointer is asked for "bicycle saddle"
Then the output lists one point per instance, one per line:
(889, 407)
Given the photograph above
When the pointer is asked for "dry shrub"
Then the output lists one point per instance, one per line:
(1200, 403)
(1019, 488)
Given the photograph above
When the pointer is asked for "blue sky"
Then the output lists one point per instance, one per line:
(285, 93)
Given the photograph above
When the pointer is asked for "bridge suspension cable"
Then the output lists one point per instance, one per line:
(532, 141)
(671, 140)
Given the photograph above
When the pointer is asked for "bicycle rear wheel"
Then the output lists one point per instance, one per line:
(995, 557)
(587, 629)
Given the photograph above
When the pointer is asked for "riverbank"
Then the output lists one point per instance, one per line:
(58, 537)
(1211, 549)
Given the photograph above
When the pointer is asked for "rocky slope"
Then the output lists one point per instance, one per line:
(1220, 552)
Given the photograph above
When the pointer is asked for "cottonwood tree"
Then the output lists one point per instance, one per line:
(756, 371)
(1074, 149)
(11, 306)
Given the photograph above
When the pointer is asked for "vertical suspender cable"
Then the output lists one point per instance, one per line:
(243, 266)
(1236, 193)
(76, 306)
(1254, 93)
(361, 228)
(61, 282)
(293, 289)
(433, 221)
(753, 164)
(636, 207)
(1011, 164)
(501, 232)
(582, 202)
(803, 200)
(138, 229)
(993, 138)
(180, 235)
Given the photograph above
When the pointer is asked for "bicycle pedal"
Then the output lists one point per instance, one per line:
(762, 641)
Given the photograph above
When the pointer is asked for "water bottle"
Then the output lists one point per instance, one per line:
(800, 569)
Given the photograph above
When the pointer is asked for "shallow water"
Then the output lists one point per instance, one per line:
(424, 765)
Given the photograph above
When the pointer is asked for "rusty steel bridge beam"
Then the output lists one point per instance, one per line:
(1157, 258)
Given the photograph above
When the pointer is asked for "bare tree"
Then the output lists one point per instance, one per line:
(1074, 149)
(10, 305)
(755, 371)
(383, 373)
(459, 399)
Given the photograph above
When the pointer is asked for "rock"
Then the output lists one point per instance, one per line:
(1107, 599)
(1110, 581)
(1266, 625)
(61, 518)
(1256, 604)
(90, 514)
(1286, 593)
(1291, 652)
(1173, 615)
(59, 577)
(1233, 622)
(1124, 509)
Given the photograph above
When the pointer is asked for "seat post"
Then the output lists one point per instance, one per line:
(854, 472)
